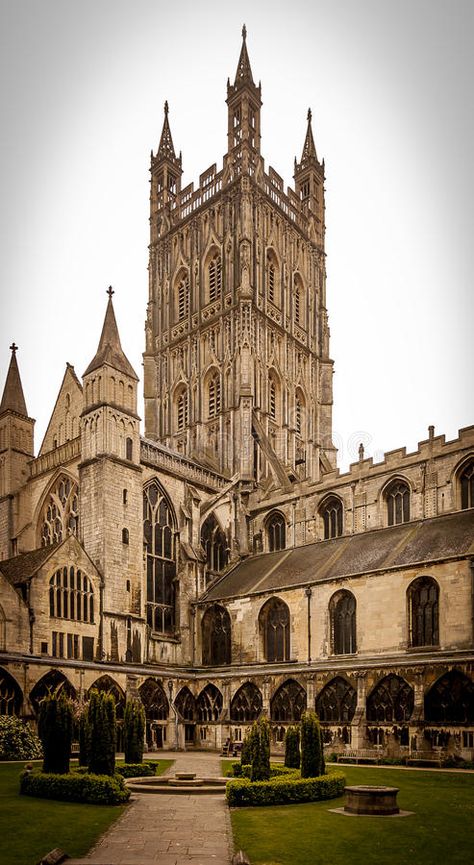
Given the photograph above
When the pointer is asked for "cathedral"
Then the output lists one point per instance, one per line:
(220, 566)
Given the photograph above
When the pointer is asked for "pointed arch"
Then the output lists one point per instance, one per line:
(391, 700)
(450, 700)
(209, 704)
(213, 274)
(288, 703)
(52, 682)
(331, 513)
(181, 294)
(274, 628)
(11, 695)
(216, 633)
(185, 705)
(215, 546)
(275, 526)
(71, 595)
(299, 299)
(107, 685)
(159, 527)
(212, 391)
(464, 482)
(342, 617)
(336, 703)
(300, 413)
(273, 280)
(423, 612)
(181, 407)
(397, 494)
(274, 395)
(58, 513)
(154, 699)
(246, 704)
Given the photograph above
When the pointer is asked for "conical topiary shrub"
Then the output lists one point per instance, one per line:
(134, 731)
(102, 725)
(55, 724)
(246, 754)
(261, 751)
(84, 736)
(292, 748)
(312, 757)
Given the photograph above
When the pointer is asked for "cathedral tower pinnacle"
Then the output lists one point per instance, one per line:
(16, 433)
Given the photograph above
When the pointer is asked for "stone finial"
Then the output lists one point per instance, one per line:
(244, 32)
(13, 348)
(431, 430)
(110, 291)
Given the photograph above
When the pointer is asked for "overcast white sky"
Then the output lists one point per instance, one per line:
(390, 85)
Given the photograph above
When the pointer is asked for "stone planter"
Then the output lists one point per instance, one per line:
(371, 800)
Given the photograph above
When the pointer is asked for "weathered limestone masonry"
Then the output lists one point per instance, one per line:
(221, 566)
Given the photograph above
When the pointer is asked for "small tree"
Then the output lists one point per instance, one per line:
(134, 731)
(312, 757)
(261, 751)
(18, 740)
(55, 723)
(246, 754)
(292, 748)
(84, 736)
(102, 725)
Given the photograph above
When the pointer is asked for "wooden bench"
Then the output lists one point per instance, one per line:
(363, 755)
(435, 758)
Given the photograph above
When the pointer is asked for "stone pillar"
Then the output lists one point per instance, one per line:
(266, 688)
(359, 720)
(417, 716)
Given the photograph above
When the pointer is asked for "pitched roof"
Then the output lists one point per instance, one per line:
(110, 350)
(13, 398)
(445, 537)
(21, 568)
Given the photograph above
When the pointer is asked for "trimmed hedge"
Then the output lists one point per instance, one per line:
(76, 787)
(240, 770)
(284, 790)
(136, 770)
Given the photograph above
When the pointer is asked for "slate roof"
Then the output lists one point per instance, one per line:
(21, 568)
(450, 536)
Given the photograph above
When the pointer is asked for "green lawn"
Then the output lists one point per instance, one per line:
(29, 827)
(440, 831)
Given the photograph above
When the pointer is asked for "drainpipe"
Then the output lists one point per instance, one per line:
(308, 593)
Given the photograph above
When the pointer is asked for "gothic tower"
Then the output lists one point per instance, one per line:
(237, 367)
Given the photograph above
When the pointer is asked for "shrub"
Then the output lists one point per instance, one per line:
(84, 737)
(55, 724)
(17, 740)
(261, 751)
(247, 747)
(240, 771)
(101, 718)
(75, 787)
(134, 731)
(285, 790)
(312, 756)
(292, 748)
(136, 770)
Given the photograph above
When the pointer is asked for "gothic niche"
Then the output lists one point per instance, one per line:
(288, 703)
(336, 704)
(216, 637)
(60, 513)
(450, 700)
(214, 544)
(390, 701)
(246, 704)
(158, 529)
(274, 626)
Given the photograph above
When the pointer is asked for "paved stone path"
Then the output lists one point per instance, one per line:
(169, 830)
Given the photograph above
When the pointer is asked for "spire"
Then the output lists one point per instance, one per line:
(244, 72)
(166, 147)
(309, 149)
(13, 398)
(110, 350)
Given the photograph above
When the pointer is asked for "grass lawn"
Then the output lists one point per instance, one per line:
(440, 831)
(29, 827)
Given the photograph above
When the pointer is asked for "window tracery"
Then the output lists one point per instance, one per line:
(466, 484)
(423, 611)
(391, 700)
(336, 704)
(246, 704)
(214, 276)
(183, 296)
(60, 513)
(342, 611)
(276, 531)
(106, 685)
(450, 700)
(11, 696)
(158, 528)
(214, 395)
(71, 595)
(185, 705)
(397, 497)
(52, 682)
(209, 704)
(331, 513)
(154, 700)
(214, 543)
(216, 636)
(274, 625)
(288, 703)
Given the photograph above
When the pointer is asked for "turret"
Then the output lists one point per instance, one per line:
(244, 104)
(309, 183)
(16, 431)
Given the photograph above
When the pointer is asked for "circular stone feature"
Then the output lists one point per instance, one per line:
(378, 801)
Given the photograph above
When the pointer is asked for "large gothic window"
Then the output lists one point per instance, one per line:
(216, 636)
(11, 696)
(182, 298)
(423, 612)
(276, 531)
(466, 484)
(209, 704)
(336, 704)
(106, 685)
(450, 700)
(331, 513)
(52, 682)
(158, 527)
(288, 703)
(214, 544)
(246, 704)
(60, 513)
(214, 395)
(185, 705)
(274, 624)
(397, 497)
(71, 595)
(342, 613)
(391, 701)
(214, 277)
(154, 700)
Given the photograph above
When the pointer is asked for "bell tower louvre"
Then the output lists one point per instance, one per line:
(237, 372)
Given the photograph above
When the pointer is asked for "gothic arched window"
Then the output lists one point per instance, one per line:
(450, 700)
(52, 682)
(154, 700)
(273, 396)
(158, 528)
(216, 636)
(214, 277)
(209, 704)
(214, 543)
(71, 595)
(423, 612)
(342, 612)
(11, 696)
(397, 497)
(466, 485)
(246, 704)
(60, 513)
(274, 625)
(182, 298)
(336, 704)
(288, 703)
(276, 531)
(391, 701)
(273, 283)
(298, 299)
(185, 705)
(214, 395)
(182, 410)
(128, 448)
(106, 685)
(331, 513)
